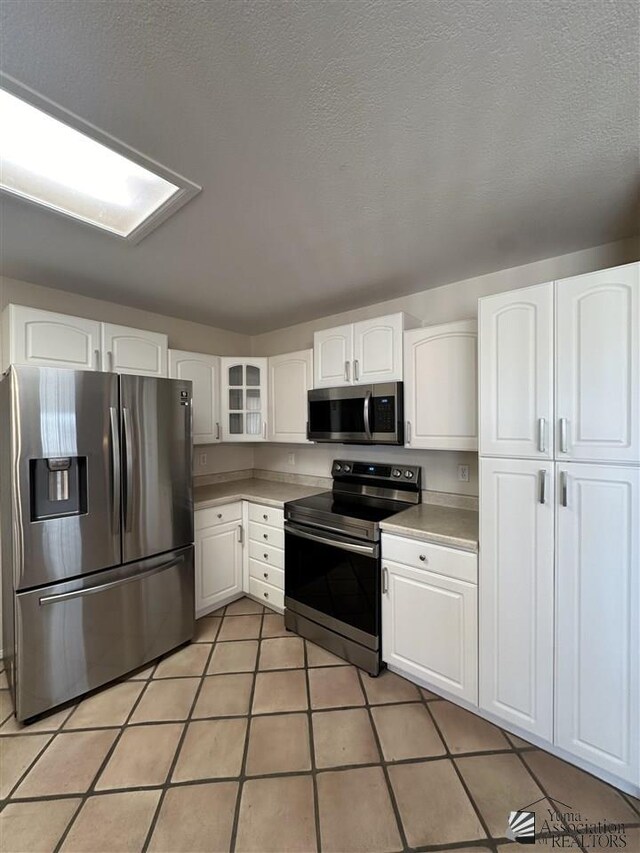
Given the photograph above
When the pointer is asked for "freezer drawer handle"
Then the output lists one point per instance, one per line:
(128, 455)
(79, 593)
(115, 469)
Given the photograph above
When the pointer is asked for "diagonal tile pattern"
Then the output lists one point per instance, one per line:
(251, 739)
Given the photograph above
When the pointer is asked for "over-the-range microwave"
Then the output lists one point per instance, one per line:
(357, 414)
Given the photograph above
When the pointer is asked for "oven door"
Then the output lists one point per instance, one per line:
(334, 580)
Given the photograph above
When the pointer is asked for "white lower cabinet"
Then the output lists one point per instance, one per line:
(429, 621)
(218, 557)
(598, 626)
(265, 554)
(516, 592)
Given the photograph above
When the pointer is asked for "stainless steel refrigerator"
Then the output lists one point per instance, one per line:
(97, 528)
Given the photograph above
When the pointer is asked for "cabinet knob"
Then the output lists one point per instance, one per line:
(219, 515)
(265, 516)
(266, 556)
(266, 595)
(423, 558)
(265, 574)
(265, 535)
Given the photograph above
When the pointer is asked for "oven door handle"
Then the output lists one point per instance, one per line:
(369, 550)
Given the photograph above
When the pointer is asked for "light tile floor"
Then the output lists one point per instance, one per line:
(251, 739)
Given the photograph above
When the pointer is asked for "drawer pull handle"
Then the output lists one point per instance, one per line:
(265, 535)
(266, 594)
(266, 556)
(265, 516)
(423, 558)
(219, 515)
(265, 574)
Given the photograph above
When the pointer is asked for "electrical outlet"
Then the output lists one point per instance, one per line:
(202, 459)
(291, 458)
(463, 473)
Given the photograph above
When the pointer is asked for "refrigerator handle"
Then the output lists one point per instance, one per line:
(128, 470)
(115, 469)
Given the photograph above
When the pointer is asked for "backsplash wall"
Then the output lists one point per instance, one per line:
(439, 467)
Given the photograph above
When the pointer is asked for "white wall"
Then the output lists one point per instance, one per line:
(183, 334)
(457, 301)
(439, 467)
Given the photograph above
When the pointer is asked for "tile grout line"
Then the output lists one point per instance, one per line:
(385, 772)
(312, 749)
(174, 761)
(465, 787)
(85, 796)
(247, 738)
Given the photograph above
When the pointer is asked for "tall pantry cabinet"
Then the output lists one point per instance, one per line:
(559, 377)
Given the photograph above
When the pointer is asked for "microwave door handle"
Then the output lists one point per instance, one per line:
(367, 408)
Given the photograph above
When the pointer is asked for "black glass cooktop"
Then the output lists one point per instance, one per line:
(360, 508)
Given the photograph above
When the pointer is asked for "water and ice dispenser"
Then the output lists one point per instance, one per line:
(58, 487)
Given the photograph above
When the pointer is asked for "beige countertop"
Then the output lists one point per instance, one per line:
(266, 492)
(441, 525)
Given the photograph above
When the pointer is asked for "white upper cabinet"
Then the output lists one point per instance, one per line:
(516, 373)
(244, 399)
(440, 390)
(377, 349)
(204, 372)
(361, 353)
(598, 366)
(332, 357)
(290, 378)
(47, 339)
(134, 351)
(516, 592)
(598, 626)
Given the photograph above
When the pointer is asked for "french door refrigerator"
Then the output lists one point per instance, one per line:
(97, 528)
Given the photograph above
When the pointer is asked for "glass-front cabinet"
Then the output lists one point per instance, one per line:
(244, 399)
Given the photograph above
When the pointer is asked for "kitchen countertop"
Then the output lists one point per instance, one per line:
(441, 525)
(267, 492)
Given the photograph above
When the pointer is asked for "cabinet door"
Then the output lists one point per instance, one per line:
(136, 351)
(244, 399)
(333, 357)
(377, 350)
(218, 559)
(598, 366)
(516, 592)
(290, 379)
(516, 373)
(440, 390)
(598, 630)
(204, 373)
(429, 628)
(47, 339)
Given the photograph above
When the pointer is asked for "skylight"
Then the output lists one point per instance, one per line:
(49, 161)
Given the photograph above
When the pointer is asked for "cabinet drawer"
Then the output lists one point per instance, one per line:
(434, 558)
(266, 535)
(266, 554)
(266, 515)
(217, 515)
(266, 574)
(267, 593)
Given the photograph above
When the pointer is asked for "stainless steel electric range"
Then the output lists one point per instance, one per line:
(332, 557)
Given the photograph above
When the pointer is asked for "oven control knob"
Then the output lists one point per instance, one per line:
(346, 468)
(408, 475)
(396, 472)
(337, 467)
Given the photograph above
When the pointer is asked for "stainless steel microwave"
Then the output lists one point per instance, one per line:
(357, 414)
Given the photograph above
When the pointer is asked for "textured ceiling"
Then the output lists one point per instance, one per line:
(348, 151)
